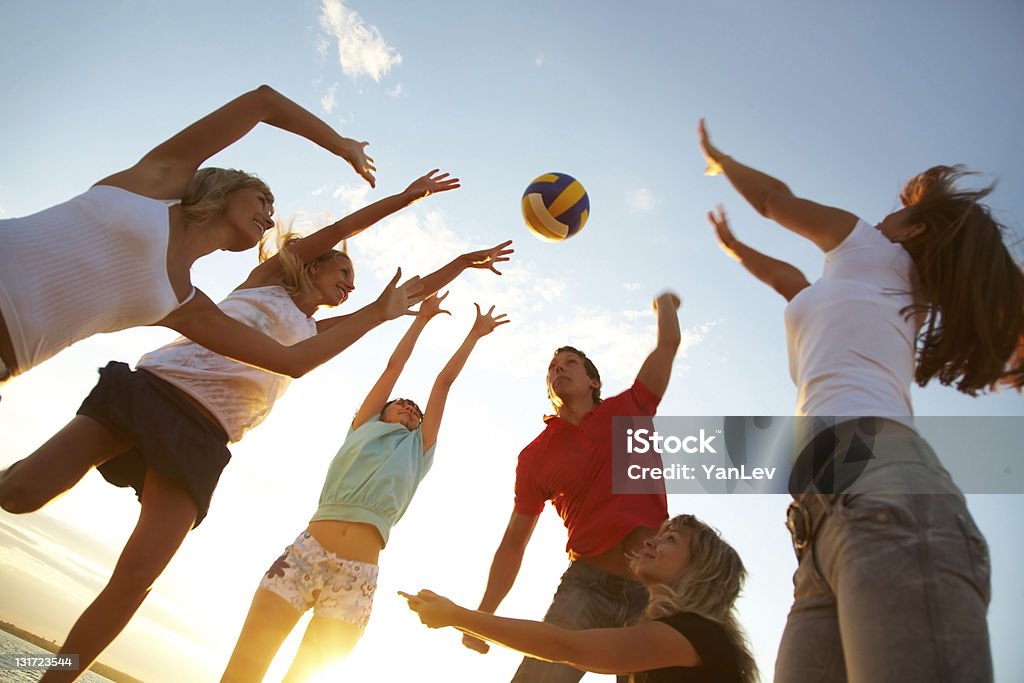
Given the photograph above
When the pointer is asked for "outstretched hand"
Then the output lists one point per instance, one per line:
(712, 155)
(431, 183)
(396, 299)
(431, 306)
(355, 154)
(435, 611)
(486, 322)
(726, 239)
(486, 258)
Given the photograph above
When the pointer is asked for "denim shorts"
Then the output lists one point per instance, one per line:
(307, 575)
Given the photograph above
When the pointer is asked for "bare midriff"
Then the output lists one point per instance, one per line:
(348, 540)
(615, 560)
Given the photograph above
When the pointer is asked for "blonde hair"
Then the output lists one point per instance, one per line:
(207, 192)
(296, 275)
(708, 587)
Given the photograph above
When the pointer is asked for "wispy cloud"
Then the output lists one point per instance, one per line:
(538, 61)
(361, 49)
(396, 91)
(322, 45)
(641, 199)
(353, 197)
(329, 101)
(631, 286)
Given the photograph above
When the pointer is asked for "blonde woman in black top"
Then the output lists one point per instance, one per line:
(688, 632)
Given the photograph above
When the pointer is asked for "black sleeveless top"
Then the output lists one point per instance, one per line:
(717, 654)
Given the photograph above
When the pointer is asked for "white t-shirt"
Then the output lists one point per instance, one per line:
(95, 263)
(851, 349)
(240, 396)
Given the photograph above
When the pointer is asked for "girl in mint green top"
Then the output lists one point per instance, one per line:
(332, 566)
(373, 477)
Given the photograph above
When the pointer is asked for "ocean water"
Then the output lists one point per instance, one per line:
(13, 645)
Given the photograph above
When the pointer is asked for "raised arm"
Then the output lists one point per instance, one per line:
(326, 238)
(167, 169)
(657, 368)
(485, 258)
(784, 278)
(648, 645)
(504, 569)
(204, 323)
(381, 391)
(826, 226)
(484, 324)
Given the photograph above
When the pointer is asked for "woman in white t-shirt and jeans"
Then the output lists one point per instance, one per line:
(891, 586)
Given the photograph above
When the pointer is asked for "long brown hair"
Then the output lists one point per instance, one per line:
(708, 587)
(968, 288)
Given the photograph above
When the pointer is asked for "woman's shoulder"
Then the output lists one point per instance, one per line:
(718, 652)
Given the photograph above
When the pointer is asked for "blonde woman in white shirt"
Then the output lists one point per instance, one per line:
(119, 255)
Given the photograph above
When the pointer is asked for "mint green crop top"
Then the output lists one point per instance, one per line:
(374, 476)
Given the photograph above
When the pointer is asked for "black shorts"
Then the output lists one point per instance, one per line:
(169, 434)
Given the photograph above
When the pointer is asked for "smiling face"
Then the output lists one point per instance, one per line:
(333, 278)
(402, 411)
(248, 212)
(664, 557)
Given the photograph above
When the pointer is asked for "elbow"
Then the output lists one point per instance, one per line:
(264, 91)
(264, 96)
(293, 368)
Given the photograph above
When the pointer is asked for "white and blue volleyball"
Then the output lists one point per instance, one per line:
(555, 206)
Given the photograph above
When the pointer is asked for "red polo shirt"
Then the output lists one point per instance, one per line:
(571, 465)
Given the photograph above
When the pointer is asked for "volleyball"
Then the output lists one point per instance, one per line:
(555, 206)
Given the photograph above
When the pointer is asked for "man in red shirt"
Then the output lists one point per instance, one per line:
(570, 464)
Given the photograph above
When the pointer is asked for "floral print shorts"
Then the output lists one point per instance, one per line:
(308, 575)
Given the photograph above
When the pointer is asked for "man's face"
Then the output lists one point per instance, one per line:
(567, 377)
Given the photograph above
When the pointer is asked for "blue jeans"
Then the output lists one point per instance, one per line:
(893, 582)
(587, 597)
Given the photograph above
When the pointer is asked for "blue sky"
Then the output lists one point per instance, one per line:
(841, 100)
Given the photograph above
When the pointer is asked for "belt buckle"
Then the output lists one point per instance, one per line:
(798, 521)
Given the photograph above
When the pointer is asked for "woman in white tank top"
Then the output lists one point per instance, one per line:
(893, 576)
(163, 428)
(119, 255)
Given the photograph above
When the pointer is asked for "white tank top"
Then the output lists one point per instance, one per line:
(240, 396)
(96, 263)
(851, 349)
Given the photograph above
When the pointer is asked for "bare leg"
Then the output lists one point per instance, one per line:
(326, 641)
(167, 515)
(271, 618)
(58, 464)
